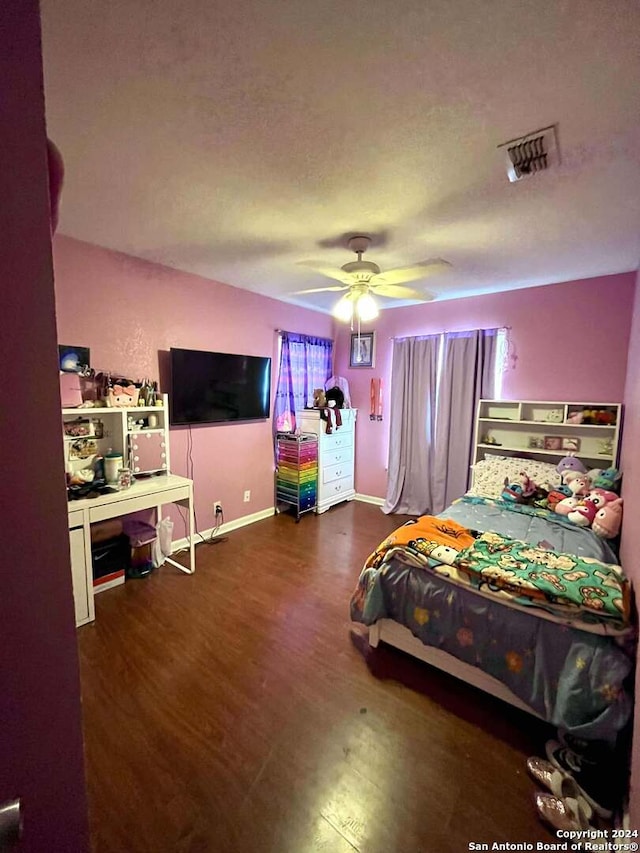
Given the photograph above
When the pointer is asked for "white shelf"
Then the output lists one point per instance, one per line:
(514, 423)
(550, 424)
(109, 410)
(540, 450)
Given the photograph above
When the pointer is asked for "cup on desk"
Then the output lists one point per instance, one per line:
(112, 464)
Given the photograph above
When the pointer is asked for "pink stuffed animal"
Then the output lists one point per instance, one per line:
(608, 520)
(567, 505)
(601, 497)
(583, 514)
(528, 486)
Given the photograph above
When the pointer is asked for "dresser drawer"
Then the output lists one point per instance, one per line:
(76, 518)
(336, 487)
(336, 472)
(336, 455)
(338, 438)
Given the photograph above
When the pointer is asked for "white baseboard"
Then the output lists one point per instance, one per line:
(370, 499)
(243, 521)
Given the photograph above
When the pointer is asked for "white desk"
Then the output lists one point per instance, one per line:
(151, 493)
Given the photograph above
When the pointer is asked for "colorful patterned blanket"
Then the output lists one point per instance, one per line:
(580, 590)
(422, 542)
(582, 584)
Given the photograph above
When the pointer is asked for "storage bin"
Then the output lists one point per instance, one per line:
(141, 536)
(110, 562)
(297, 471)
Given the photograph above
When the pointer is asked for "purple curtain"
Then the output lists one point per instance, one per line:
(305, 364)
(436, 382)
(467, 374)
(413, 388)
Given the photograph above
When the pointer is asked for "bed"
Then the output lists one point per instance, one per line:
(434, 589)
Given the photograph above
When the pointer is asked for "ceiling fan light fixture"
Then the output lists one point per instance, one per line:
(343, 309)
(366, 308)
(361, 279)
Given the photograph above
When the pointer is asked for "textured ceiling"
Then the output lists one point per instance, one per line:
(234, 140)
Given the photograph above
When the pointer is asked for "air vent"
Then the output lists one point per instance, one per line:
(535, 152)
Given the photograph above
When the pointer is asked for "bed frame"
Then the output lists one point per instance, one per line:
(394, 634)
(512, 423)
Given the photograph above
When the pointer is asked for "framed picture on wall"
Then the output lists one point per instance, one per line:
(73, 359)
(553, 442)
(363, 349)
(570, 443)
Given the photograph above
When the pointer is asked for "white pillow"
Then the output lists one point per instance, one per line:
(489, 474)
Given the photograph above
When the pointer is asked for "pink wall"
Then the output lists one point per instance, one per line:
(630, 545)
(41, 758)
(549, 363)
(128, 311)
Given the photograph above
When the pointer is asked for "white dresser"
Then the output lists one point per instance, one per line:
(336, 454)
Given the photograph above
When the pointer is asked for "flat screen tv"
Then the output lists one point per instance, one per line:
(218, 387)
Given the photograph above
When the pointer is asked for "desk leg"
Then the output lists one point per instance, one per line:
(192, 533)
(192, 537)
(89, 565)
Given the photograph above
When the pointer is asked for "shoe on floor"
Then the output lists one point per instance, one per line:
(563, 814)
(584, 775)
(559, 783)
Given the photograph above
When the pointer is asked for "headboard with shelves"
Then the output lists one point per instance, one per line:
(549, 430)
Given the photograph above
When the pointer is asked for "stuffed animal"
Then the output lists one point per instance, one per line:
(319, 398)
(327, 410)
(526, 491)
(575, 418)
(566, 505)
(607, 521)
(554, 497)
(580, 486)
(608, 478)
(570, 463)
(335, 398)
(601, 497)
(583, 514)
(529, 488)
(511, 492)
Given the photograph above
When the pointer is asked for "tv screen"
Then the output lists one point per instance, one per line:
(216, 387)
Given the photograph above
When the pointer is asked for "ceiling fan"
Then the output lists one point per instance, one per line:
(363, 279)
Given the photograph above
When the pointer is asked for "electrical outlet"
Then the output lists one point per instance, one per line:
(247, 496)
(217, 508)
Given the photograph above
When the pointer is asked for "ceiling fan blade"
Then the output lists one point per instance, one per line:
(412, 273)
(398, 291)
(323, 269)
(334, 287)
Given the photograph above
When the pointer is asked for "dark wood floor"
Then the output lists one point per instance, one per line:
(240, 710)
